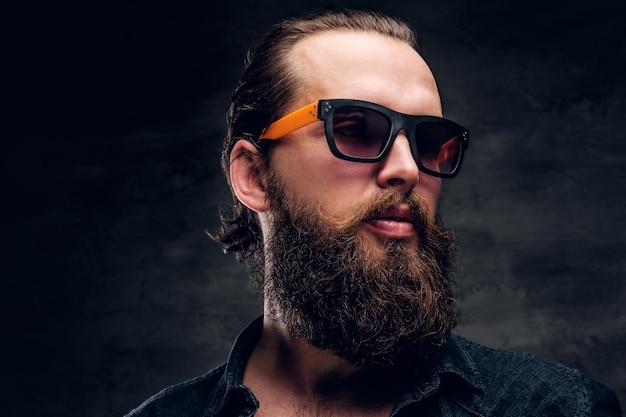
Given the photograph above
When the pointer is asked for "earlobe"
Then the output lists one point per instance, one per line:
(245, 176)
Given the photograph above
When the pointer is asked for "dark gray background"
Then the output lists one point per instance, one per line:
(115, 116)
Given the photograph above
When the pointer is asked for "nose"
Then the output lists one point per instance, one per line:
(399, 170)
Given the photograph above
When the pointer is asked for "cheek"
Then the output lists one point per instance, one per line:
(333, 185)
(339, 185)
(309, 166)
(339, 174)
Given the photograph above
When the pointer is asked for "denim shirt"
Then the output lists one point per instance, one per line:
(469, 380)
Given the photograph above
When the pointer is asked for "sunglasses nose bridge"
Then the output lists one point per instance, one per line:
(401, 132)
(394, 146)
(404, 126)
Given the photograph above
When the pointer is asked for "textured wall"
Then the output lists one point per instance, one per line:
(112, 289)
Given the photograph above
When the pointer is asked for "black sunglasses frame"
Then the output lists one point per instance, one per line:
(399, 121)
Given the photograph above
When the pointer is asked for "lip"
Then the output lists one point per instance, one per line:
(397, 223)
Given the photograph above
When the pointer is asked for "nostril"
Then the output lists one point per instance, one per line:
(395, 181)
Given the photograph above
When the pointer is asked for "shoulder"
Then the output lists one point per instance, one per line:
(535, 384)
(189, 398)
(211, 392)
(517, 365)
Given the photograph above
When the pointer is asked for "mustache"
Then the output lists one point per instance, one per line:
(378, 206)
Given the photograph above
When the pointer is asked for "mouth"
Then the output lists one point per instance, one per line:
(397, 223)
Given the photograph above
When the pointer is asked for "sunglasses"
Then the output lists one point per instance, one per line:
(361, 131)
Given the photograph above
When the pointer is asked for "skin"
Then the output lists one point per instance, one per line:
(286, 374)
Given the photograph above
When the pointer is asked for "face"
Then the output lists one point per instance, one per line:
(367, 67)
(356, 261)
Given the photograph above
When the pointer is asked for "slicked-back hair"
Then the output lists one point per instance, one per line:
(266, 86)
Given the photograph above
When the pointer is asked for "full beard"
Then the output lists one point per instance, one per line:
(377, 303)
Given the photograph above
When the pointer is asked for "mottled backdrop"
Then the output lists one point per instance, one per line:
(114, 118)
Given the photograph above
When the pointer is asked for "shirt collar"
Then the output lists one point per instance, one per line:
(454, 361)
(232, 379)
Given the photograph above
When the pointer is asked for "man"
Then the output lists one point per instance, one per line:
(336, 151)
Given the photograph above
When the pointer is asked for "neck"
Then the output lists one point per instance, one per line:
(284, 368)
(283, 357)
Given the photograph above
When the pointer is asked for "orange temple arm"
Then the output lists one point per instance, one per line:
(287, 124)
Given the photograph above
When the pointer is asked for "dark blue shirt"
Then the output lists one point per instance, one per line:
(469, 380)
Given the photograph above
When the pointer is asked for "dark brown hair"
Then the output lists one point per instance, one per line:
(266, 85)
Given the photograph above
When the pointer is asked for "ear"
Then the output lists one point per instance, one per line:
(245, 177)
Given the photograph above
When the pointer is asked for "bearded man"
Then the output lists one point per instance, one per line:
(335, 152)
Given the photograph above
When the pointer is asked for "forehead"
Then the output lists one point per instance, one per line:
(366, 66)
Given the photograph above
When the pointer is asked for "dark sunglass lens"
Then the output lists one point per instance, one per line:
(438, 146)
(360, 132)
